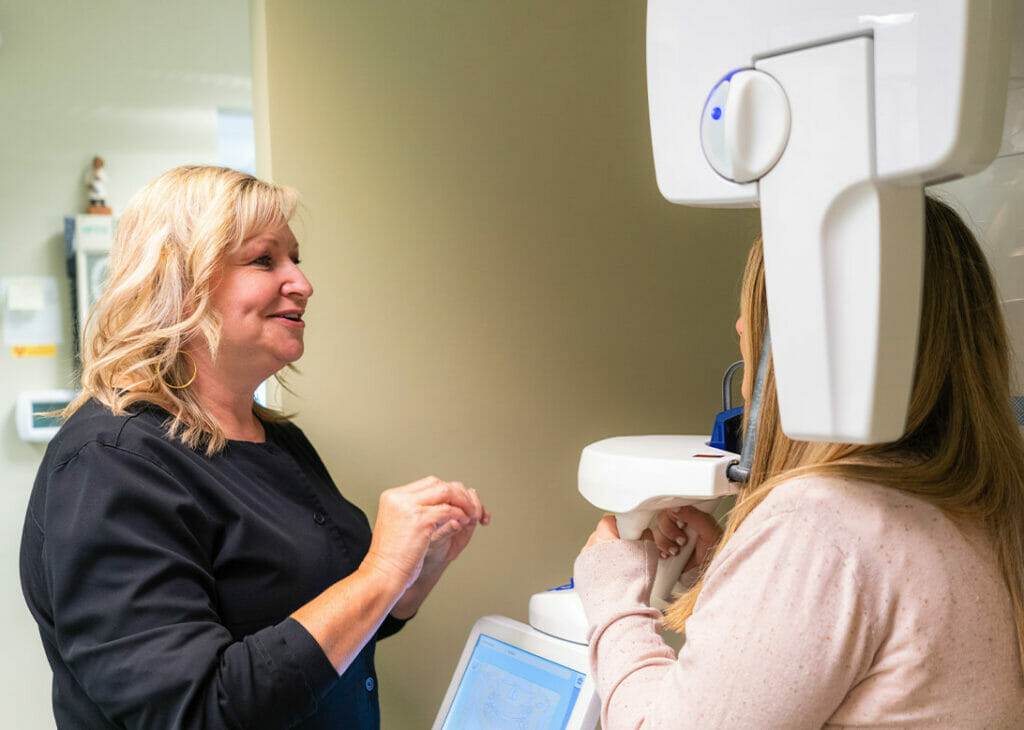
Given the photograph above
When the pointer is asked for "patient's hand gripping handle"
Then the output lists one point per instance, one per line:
(631, 526)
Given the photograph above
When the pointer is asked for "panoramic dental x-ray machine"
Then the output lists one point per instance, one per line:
(832, 115)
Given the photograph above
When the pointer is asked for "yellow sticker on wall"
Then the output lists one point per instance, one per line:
(34, 350)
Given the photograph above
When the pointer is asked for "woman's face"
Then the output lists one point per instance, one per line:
(745, 351)
(261, 296)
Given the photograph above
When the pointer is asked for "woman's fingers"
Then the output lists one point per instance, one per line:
(422, 484)
(702, 523)
(480, 513)
(606, 530)
(669, 533)
(707, 531)
(431, 490)
(428, 514)
(440, 517)
(468, 499)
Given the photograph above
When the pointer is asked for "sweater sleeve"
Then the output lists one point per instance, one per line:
(780, 634)
(135, 609)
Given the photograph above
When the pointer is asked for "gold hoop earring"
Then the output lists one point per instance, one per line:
(195, 371)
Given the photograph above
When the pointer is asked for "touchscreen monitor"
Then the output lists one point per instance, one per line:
(513, 676)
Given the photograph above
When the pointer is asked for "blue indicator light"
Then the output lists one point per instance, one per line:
(716, 113)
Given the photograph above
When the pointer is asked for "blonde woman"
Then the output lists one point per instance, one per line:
(186, 555)
(854, 586)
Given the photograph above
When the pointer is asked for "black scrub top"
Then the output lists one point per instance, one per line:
(162, 579)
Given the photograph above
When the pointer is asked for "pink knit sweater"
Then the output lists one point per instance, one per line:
(836, 604)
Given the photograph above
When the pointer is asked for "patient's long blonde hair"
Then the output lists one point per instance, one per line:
(170, 242)
(962, 449)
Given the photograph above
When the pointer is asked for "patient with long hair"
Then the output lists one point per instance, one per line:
(853, 586)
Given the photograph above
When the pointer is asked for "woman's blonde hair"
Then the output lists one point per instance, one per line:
(962, 449)
(170, 243)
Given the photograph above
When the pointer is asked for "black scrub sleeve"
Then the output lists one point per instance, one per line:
(135, 614)
(391, 626)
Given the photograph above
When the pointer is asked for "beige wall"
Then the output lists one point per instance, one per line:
(498, 281)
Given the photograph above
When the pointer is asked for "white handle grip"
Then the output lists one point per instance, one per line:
(669, 571)
(631, 525)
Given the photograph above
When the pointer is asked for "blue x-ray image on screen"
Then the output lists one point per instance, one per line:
(506, 688)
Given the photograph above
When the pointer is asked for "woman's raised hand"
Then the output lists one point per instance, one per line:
(449, 540)
(670, 533)
(427, 519)
(420, 528)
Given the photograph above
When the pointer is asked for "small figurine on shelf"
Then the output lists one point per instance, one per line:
(96, 182)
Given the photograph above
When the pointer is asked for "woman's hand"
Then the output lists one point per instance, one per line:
(427, 515)
(670, 533)
(448, 541)
(606, 531)
(420, 528)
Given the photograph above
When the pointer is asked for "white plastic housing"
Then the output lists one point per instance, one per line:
(559, 612)
(648, 473)
(882, 99)
(843, 257)
(938, 77)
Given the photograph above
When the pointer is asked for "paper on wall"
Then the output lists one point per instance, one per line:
(26, 293)
(31, 314)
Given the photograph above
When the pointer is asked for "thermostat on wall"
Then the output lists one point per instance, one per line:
(36, 410)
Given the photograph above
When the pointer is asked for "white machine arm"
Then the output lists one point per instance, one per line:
(832, 117)
(843, 256)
